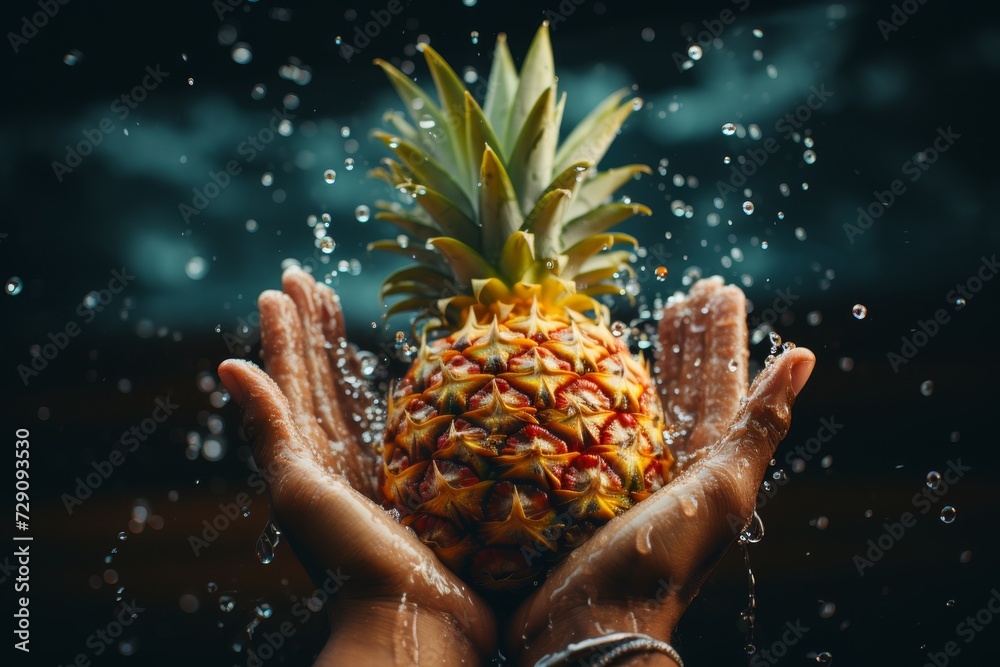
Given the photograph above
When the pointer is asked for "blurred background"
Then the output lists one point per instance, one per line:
(162, 163)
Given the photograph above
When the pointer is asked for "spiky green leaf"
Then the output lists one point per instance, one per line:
(591, 138)
(595, 191)
(499, 211)
(466, 264)
(426, 170)
(530, 163)
(501, 89)
(600, 219)
(537, 73)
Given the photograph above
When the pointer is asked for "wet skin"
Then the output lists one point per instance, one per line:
(638, 573)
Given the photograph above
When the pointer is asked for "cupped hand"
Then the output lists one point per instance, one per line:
(308, 421)
(639, 572)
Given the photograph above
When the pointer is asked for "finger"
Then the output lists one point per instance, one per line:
(300, 287)
(703, 362)
(267, 417)
(725, 481)
(353, 390)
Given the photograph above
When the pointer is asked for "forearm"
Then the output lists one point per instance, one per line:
(395, 633)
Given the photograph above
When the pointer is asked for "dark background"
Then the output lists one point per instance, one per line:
(165, 333)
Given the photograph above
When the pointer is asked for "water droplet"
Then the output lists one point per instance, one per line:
(122, 536)
(227, 603)
(362, 213)
(950, 603)
(748, 207)
(859, 311)
(729, 129)
(475, 36)
(268, 540)
(758, 33)
(775, 339)
(618, 329)
(330, 176)
(327, 244)
(754, 531)
(14, 286)
(827, 609)
(948, 514)
(245, 512)
(196, 268)
(959, 303)
(241, 53)
(824, 658)
(349, 164)
(809, 156)
(661, 273)
(263, 610)
(266, 179)
(926, 387)
(694, 52)
(212, 587)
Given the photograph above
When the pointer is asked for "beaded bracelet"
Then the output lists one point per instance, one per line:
(604, 650)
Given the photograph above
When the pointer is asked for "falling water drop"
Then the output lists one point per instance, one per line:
(13, 286)
(729, 129)
(948, 514)
(859, 311)
(748, 207)
(330, 176)
(267, 541)
(227, 603)
(824, 658)
(694, 52)
(933, 479)
(926, 387)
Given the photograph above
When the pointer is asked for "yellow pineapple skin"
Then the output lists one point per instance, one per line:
(512, 439)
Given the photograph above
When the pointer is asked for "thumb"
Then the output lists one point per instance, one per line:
(722, 484)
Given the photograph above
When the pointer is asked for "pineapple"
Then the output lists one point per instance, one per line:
(525, 423)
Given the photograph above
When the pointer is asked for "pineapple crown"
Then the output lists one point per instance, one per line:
(505, 213)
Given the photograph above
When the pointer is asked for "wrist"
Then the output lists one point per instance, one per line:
(570, 626)
(395, 633)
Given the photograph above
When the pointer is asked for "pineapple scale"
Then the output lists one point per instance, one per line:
(511, 440)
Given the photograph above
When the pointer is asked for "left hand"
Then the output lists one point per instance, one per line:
(640, 571)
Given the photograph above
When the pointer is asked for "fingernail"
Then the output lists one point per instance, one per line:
(233, 386)
(801, 372)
